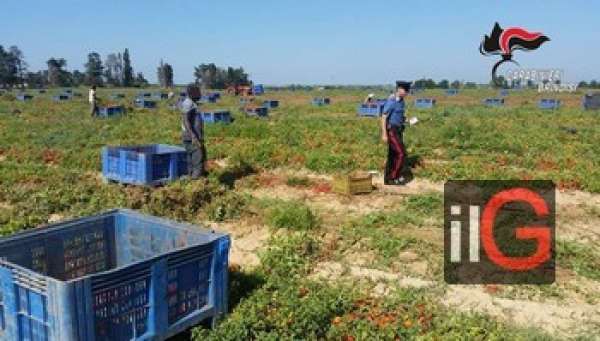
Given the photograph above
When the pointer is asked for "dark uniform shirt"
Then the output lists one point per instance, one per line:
(394, 109)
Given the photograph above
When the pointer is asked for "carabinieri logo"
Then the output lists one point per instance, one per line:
(504, 42)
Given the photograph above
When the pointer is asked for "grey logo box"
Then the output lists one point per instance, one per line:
(514, 245)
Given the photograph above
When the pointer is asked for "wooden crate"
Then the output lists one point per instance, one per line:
(351, 184)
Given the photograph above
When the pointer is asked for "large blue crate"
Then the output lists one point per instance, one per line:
(451, 92)
(549, 103)
(370, 109)
(113, 110)
(493, 101)
(424, 103)
(60, 97)
(207, 99)
(67, 91)
(591, 101)
(118, 275)
(271, 104)
(258, 111)
(145, 104)
(217, 116)
(117, 96)
(216, 95)
(24, 97)
(150, 165)
(159, 95)
(144, 95)
(321, 101)
(257, 89)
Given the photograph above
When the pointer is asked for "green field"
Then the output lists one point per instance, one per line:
(381, 254)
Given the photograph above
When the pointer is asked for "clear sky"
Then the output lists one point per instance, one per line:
(308, 41)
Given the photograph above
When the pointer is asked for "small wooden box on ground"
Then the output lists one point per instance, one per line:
(111, 110)
(591, 101)
(370, 109)
(145, 104)
(350, 184)
(116, 275)
(24, 97)
(149, 165)
(424, 103)
(321, 101)
(117, 96)
(258, 111)
(493, 101)
(549, 103)
(271, 104)
(217, 116)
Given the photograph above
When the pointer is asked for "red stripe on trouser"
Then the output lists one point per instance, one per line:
(400, 154)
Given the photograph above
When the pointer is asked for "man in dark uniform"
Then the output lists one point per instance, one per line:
(192, 131)
(392, 128)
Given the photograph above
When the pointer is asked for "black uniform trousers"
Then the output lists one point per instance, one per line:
(197, 152)
(396, 153)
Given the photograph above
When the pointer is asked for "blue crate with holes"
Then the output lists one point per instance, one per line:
(321, 101)
(115, 97)
(67, 91)
(61, 97)
(111, 110)
(549, 103)
(24, 97)
(144, 95)
(451, 92)
(208, 99)
(425, 103)
(493, 101)
(258, 89)
(504, 92)
(591, 101)
(149, 165)
(258, 111)
(217, 116)
(370, 109)
(271, 103)
(214, 94)
(159, 95)
(145, 104)
(115, 275)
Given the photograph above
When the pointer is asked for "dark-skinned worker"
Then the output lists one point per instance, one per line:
(392, 129)
(192, 131)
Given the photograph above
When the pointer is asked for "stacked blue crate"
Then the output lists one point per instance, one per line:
(549, 103)
(116, 275)
(493, 101)
(425, 103)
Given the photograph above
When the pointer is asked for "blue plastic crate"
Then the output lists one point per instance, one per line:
(424, 103)
(320, 101)
(370, 109)
(150, 165)
(144, 95)
(271, 104)
(257, 89)
(67, 91)
(118, 275)
(493, 101)
(159, 95)
(504, 92)
(451, 92)
(217, 116)
(145, 104)
(60, 97)
(41, 91)
(207, 99)
(258, 111)
(415, 91)
(591, 101)
(24, 97)
(216, 95)
(381, 100)
(114, 110)
(117, 96)
(549, 103)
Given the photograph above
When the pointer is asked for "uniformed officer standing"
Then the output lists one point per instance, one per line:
(392, 128)
(192, 131)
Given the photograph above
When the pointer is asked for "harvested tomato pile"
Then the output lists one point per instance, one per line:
(322, 188)
(569, 184)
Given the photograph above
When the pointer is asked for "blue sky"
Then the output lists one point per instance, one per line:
(308, 41)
